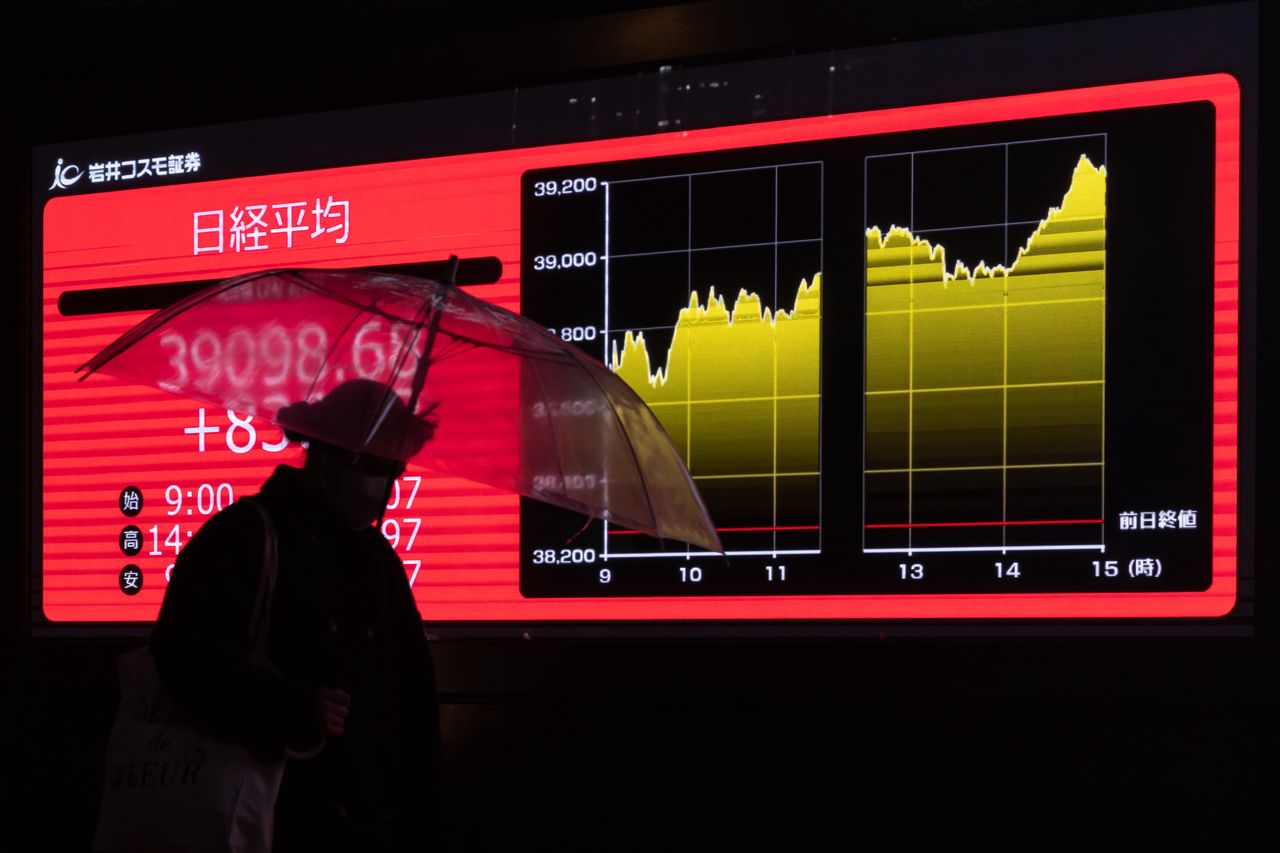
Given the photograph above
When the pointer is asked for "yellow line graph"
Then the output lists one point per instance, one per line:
(988, 367)
(738, 392)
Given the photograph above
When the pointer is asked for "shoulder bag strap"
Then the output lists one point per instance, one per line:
(260, 621)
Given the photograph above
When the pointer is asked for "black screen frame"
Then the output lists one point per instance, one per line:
(1224, 36)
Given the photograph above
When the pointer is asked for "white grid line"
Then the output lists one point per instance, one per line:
(719, 172)
(944, 149)
(986, 548)
(692, 554)
(774, 244)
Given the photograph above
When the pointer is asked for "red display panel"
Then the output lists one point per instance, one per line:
(104, 441)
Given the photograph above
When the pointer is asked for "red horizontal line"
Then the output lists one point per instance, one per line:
(731, 529)
(988, 523)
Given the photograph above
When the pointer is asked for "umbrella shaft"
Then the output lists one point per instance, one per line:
(420, 374)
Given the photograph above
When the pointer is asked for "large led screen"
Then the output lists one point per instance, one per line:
(974, 359)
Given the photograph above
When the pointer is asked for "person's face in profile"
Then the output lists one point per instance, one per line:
(356, 486)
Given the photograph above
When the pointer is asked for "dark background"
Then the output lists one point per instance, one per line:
(1007, 743)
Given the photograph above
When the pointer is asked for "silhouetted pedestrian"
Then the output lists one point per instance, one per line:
(348, 668)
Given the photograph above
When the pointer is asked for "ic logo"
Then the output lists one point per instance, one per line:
(65, 176)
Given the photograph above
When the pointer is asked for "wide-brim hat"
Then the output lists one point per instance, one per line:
(362, 416)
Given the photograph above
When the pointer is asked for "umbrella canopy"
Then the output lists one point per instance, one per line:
(419, 371)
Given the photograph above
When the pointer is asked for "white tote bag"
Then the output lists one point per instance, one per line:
(170, 784)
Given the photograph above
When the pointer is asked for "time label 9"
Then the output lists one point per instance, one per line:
(209, 498)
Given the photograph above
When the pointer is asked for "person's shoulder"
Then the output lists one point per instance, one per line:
(373, 539)
(242, 515)
(236, 532)
(378, 546)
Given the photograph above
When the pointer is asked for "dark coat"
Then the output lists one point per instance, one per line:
(342, 615)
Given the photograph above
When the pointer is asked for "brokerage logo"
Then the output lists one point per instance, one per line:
(110, 171)
(65, 176)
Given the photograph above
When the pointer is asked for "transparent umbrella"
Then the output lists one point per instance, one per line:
(502, 401)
